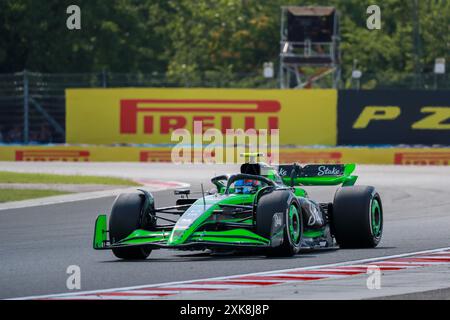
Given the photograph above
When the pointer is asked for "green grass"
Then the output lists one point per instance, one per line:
(15, 177)
(7, 195)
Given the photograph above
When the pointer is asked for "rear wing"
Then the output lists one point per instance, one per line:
(317, 174)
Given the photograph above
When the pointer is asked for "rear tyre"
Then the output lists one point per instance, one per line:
(280, 201)
(126, 217)
(357, 217)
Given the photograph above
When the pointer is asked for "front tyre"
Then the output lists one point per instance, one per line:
(357, 217)
(126, 217)
(284, 204)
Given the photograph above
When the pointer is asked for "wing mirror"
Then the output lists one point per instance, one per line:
(182, 192)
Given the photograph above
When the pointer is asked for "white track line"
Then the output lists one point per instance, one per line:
(76, 197)
(212, 286)
(435, 257)
(268, 273)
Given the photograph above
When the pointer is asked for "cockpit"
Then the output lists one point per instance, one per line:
(246, 186)
(252, 177)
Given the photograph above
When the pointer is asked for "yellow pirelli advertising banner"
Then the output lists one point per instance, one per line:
(149, 116)
(397, 156)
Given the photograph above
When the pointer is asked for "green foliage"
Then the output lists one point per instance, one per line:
(205, 40)
(122, 35)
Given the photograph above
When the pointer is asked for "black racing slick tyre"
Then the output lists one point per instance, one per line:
(125, 218)
(357, 217)
(286, 205)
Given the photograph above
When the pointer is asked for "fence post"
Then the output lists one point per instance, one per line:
(104, 78)
(26, 108)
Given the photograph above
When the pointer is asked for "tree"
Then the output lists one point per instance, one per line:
(222, 42)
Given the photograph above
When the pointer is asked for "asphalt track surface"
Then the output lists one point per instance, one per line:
(39, 243)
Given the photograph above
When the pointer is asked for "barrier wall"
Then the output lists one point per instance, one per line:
(149, 116)
(304, 117)
(399, 156)
(393, 117)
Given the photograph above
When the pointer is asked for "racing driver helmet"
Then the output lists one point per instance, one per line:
(246, 186)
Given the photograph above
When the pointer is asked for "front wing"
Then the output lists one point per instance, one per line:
(234, 238)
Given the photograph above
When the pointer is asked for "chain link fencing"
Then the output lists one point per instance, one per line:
(32, 105)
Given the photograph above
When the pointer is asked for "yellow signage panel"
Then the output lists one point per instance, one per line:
(397, 156)
(149, 116)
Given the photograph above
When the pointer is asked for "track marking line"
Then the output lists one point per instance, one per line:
(400, 265)
(440, 254)
(281, 277)
(189, 288)
(237, 283)
(129, 294)
(207, 286)
(84, 196)
(275, 277)
(149, 292)
(327, 273)
(364, 268)
(435, 257)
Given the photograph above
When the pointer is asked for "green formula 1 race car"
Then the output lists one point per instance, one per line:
(261, 208)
